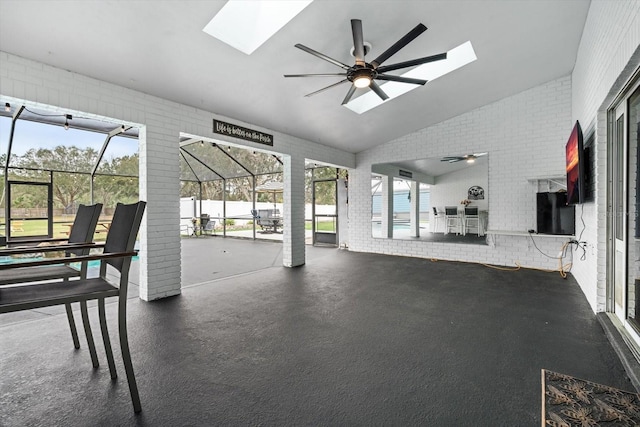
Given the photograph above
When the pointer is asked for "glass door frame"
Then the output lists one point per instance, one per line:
(316, 216)
(618, 194)
(9, 216)
(621, 108)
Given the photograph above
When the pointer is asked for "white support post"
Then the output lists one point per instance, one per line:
(160, 262)
(386, 226)
(293, 250)
(414, 209)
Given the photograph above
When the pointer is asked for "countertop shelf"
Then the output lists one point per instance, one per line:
(559, 181)
(524, 233)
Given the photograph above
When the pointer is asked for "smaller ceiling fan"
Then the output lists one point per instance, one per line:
(469, 158)
(364, 74)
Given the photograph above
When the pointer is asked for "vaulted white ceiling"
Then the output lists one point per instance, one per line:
(159, 48)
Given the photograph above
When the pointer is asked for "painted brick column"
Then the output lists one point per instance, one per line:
(386, 220)
(293, 250)
(160, 187)
(414, 209)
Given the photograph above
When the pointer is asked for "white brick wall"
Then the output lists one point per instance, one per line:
(609, 52)
(162, 122)
(524, 135)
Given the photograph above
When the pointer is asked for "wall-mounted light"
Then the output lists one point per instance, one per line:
(229, 148)
(201, 143)
(7, 107)
(67, 117)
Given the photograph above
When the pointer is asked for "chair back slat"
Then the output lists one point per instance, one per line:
(471, 211)
(84, 226)
(123, 231)
(451, 210)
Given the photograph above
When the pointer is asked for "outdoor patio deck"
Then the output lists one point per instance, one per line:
(347, 339)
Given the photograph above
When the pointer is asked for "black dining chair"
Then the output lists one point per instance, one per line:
(82, 231)
(117, 253)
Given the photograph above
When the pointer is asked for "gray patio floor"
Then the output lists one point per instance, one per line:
(347, 339)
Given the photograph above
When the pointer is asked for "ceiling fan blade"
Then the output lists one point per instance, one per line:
(413, 62)
(322, 56)
(347, 98)
(408, 38)
(374, 87)
(451, 159)
(325, 88)
(316, 75)
(400, 79)
(358, 41)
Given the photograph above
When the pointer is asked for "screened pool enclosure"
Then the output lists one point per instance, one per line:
(52, 162)
(232, 189)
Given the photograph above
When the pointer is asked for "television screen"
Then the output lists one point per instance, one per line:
(553, 214)
(575, 166)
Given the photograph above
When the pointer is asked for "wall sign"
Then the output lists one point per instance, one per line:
(236, 131)
(475, 193)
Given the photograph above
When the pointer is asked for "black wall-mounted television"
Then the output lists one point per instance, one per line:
(575, 157)
(553, 214)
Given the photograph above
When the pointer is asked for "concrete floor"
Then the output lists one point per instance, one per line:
(347, 339)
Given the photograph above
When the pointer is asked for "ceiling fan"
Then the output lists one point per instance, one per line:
(469, 158)
(363, 74)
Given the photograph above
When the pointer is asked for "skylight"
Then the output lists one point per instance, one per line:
(456, 58)
(246, 25)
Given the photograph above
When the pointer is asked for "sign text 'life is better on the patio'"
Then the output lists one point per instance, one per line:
(235, 131)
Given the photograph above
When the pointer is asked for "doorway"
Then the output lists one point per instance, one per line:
(30, 210)
(623, 299)
(325, 212)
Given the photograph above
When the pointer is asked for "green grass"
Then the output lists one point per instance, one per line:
(322, 226)
(38, 227)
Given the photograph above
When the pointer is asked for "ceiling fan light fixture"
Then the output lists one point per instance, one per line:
(471, 160)
(362, 81)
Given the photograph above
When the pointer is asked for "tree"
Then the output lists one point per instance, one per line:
(215, 162)
(67, 187)
(71, 176)
(117, 181)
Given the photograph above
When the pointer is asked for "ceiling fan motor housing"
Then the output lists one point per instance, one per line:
(358, 71)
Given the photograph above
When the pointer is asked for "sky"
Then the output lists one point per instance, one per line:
(38, 135)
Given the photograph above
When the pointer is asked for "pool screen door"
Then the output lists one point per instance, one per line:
(325, 213)
(30, 210)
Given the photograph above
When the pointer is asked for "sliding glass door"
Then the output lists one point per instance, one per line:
(623, 207)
